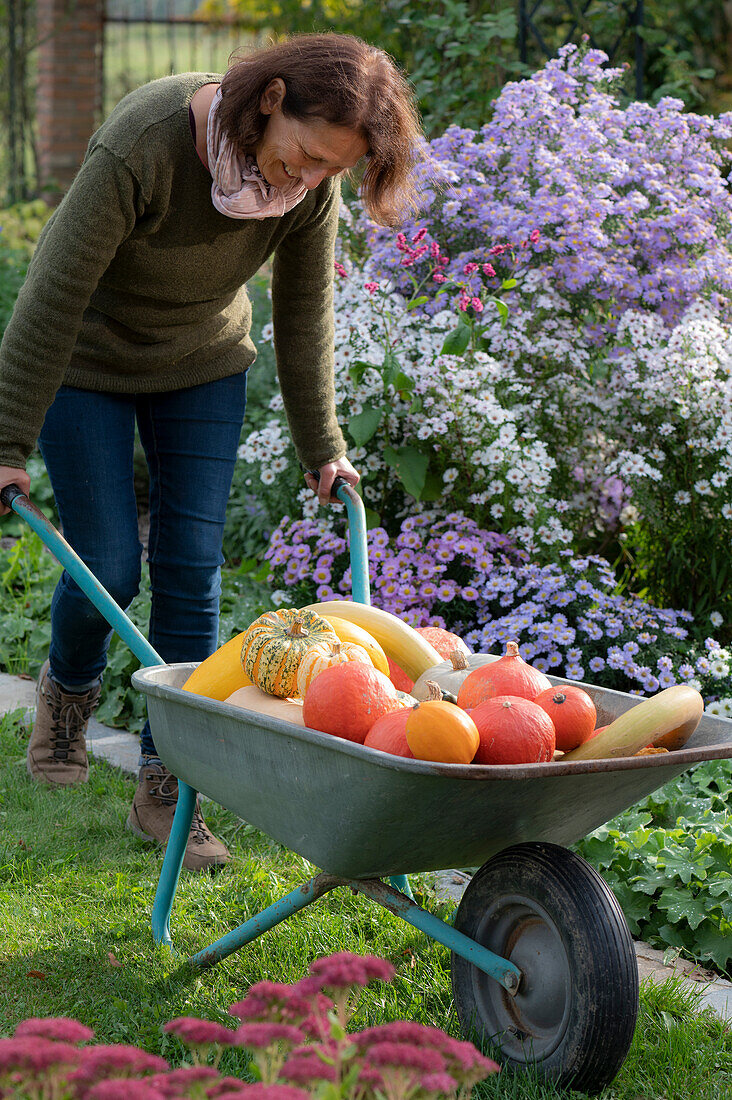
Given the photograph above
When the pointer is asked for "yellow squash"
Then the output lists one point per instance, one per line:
(349, 632)
(676, 710)
(221, 673)
(401, 642)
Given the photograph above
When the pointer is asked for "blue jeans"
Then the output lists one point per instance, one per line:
(190, 438)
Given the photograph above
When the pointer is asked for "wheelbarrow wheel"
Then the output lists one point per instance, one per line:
(552, 915)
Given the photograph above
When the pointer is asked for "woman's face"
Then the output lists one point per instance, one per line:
(291, 149)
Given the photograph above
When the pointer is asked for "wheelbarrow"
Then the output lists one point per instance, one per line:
(543, 966)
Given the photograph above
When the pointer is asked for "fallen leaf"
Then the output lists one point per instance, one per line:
(36, 974)
(113, 960)
(25, 676)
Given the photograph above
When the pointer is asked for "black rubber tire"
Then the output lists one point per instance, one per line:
(550, 913)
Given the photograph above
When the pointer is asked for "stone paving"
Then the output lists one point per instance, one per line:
(121, 749)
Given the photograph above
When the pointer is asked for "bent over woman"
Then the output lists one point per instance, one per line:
(134, 313)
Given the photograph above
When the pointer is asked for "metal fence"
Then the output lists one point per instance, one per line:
(145, 39)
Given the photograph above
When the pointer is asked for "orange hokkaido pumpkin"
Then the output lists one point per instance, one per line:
(442, 732)
(347, 699)
(573, 713)
(513, 730)
(389, 733)
(320, 657)
(509, 675)
(444, 641)
(398, 676)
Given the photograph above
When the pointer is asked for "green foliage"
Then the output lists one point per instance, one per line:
(669, 862)
(28, 576)
(458, 54)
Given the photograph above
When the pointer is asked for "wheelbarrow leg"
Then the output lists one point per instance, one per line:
(401, 883)
(172, 863)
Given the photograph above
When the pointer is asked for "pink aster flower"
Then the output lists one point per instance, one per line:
(470, 268)
(419, 235)
(477, 305)
(534, 236)
(195, 1032)
(346, 969)
(371, 287)
(489, 270)
(265, 1035)
(61, 1028)
(340, 269)
(438, 277)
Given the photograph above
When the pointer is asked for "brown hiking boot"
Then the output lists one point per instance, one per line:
(57, 747)
(151, 818)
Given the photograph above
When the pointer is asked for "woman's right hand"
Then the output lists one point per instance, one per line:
(10, 476)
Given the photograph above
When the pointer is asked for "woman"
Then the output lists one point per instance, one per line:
(134, 311)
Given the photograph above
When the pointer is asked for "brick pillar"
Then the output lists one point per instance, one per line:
(69, 92)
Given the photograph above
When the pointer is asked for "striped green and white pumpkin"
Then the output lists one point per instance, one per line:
(274, 645)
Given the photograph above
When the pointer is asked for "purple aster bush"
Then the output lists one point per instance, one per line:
(567, 616)
(631, 202)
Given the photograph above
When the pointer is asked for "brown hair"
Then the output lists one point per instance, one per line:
(339, 79)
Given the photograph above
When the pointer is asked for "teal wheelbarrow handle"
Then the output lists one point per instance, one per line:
(13, 497)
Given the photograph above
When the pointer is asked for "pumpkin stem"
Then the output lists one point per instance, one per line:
(559, 697)
(297, 629)
(434, 690)
(457, 658)
(512, 649)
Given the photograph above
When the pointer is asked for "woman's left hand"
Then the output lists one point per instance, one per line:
(328, 473)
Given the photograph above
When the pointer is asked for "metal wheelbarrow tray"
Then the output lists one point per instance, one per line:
(543, 965)
(361, 813)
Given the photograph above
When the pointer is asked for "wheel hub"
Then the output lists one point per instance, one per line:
(533, 1021)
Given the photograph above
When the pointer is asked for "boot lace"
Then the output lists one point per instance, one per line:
(69, 715)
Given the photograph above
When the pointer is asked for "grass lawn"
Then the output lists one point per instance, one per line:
(75, 897)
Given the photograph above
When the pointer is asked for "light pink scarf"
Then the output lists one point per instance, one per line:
(239, 190)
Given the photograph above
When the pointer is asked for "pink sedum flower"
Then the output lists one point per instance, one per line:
(261, 1036)
(194, 1032)
(35, 1055)
(61, 1028)
(124, 1090)
(345, 969)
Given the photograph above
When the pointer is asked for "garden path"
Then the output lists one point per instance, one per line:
(121, 749)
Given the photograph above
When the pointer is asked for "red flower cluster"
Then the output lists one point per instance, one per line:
(295, 1033)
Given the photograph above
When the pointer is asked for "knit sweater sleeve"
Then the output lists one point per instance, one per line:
(76, 247)
(302, 316)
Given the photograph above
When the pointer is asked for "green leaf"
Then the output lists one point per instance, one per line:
(403, 384)
(502, 310)
(414, 302)
(363, 425)
(509, 284)
(680, 863)
(357, 369)
(456, 341)
(682, 905)
(636, 907)
(714, 944)
(410, 466)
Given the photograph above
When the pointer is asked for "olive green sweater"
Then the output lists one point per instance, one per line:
(137, 283)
